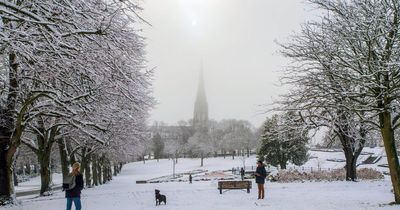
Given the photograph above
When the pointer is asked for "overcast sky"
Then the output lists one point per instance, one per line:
(235, 41)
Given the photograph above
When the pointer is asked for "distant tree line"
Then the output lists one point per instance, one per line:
(227, 137)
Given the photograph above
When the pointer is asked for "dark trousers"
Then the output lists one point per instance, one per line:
(260, 191)
(76, 200)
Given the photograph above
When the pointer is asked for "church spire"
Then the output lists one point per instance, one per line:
(200, 117)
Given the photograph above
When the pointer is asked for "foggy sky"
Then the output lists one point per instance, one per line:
(235, 41)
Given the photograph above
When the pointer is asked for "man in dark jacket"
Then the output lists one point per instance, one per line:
(260, 174)
(74, 194)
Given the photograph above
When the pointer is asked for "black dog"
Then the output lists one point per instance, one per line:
(160, 198)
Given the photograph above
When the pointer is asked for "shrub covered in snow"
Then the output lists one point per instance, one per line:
(322, 175)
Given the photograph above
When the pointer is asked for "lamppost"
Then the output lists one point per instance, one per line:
(173, 167)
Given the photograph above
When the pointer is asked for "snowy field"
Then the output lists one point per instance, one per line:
(123, 194)
(34, 183)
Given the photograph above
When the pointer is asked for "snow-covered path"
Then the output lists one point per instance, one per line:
(123, 194)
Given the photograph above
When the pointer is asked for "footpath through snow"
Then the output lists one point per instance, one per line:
(124, 194)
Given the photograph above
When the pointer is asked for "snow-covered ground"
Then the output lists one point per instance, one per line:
(124, 194)
(34, 183)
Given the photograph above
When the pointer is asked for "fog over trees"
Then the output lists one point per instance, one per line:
(222, 138)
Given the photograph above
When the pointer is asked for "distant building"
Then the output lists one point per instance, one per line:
(200, 114)
(181, 133)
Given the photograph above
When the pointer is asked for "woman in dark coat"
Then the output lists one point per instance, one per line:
(260, 174)
(74, 194)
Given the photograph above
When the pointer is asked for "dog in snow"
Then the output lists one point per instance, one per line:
(160, 198)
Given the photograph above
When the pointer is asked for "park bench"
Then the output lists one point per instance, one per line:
(234, 185)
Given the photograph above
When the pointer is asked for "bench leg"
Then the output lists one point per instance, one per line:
(220, 191)
(248, 190)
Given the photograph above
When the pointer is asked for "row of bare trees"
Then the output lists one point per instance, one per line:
(72, 74)
(346, 76)
(219, 138)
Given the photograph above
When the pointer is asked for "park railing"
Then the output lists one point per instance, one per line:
(252, 169)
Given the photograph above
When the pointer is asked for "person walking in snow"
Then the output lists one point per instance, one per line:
(74, 194)
(260, 174)
(242, 173)
(190, 178)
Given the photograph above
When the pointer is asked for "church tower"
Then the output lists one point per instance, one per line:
(200, 116)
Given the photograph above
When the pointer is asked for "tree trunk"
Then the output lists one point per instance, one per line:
(115, 170)
(6, 161)
(6, 177)
(94, 170)
(351, 163)
(351, 160)
(391, 152)
(10, 132)
(351, 153)
(88, 177)
(83, 160)
(351, 170)
(44, 161)
(15, 178)
(45, 143)
(63, 157)
(21, 170)
(28, 168)
(282, 164)
(110, 173)
(105, 170)
(99, 170)
(35, 169)
(248, 152)
(233, 154)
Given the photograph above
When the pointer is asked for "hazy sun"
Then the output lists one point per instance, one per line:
(194, 22)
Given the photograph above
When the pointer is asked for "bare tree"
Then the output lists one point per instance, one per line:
(354, 51)
(200, 145)
(78, 62)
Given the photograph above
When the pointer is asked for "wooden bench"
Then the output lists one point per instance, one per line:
(234, 185)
